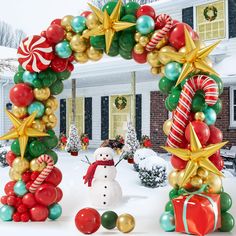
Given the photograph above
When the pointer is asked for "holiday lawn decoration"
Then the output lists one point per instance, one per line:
(210, 13)
(145, 142)
(73, 142)
(62, 142)
(136, 32)
(120, 102)
(84, 141)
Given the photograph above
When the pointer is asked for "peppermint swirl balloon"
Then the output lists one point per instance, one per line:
(35, 53)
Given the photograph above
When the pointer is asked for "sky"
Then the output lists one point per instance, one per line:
(34, 16)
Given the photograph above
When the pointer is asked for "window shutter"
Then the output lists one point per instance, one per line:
(139, 116)
(187, 16)
(88, 117)
(232, 18)
(63, 116)
(104, 117)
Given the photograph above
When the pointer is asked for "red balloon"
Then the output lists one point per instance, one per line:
(59, 194)
(70, 67)
(18, 202)
(59, 64)
(9, 187)
(201, 129)
(10, 157)
(21, 95)
(54, 177)
(16, 217)
(177, 37)
(56, 22)
(4, 200)
(217, 160)
(43, 33)
(34, 175)
(22, 208)
(29, 184)
(88, 220)
(29, 200)
(86, 13)
(55, 33)
(46, 194)
(216, 135)
(71, 58)
(146, 10)
(39, 213)
(11, 200)
(178, 163)
(25, 217)
(140, 58)
(26, 176)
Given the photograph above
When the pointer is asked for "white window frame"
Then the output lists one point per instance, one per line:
(232, 121)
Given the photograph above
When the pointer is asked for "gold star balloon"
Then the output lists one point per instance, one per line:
(197, 156)
(194, 57)
(22, 131)
(109, 24)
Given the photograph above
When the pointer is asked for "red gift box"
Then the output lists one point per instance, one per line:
(197, 214)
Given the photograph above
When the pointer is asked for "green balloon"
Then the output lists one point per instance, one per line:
(114, 49)
(174, 96)
(198, 103)
(181, 191)
(37, 84)
(48, 77)
(169, 207)
(52, 154)
(125, 54)
(131, 8)
(219, 82)
(51, 141)
(127, 41)
(225, 202)
(20, 68)
(170, 106)
(110, 6)
(131, 19)
(165, 85)
(18, 77)
(57, 87)
(15, 147)
(108, 219)
(51, 132)
(173, 193)
(98, 42)
(227, 222)
(36, 148)
(217, 107)
(64, 75)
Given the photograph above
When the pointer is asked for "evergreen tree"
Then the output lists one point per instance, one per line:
(73, 142)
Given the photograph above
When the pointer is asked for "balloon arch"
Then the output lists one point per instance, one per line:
(174, 51)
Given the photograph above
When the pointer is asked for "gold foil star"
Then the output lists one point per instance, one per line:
(109, 24)
(197, 156)
(22, 131)
(194, 57)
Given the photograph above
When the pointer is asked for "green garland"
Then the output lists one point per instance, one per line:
(120, 102)
(206, 13)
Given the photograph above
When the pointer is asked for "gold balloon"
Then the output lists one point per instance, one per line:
(125, 223)
(199, 43)
(45, 119)
(180, 177)
(81, 57)
(167, 126)
(19, 112)
(144, 40)
(163, 70)
(214, 183)
(20, 165)
(138, 48)
(52, 103)
(51, 125)
(69, 35)
(173, 178)
(52, 118)
(48, 111)
(78, 44)
(199, 116)
(39, 124)
(92, 21)
(42, 94)
(183, 50)
(35, 166)
(14, 175)
(202, 172)
(66, 22)
(153, 59)
(137, 36)
(196, 181)
(94, 54)
(163, 58)
(155, 70)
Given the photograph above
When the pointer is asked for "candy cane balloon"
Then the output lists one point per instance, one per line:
(44, 174)
(181, 115)
(161, 33)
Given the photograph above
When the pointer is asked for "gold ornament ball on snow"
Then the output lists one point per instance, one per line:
(15, 176)
(167, 126)
(81, 57)
(163, 58)
(92, 21)
(196, 181)
(42, 94)
(138, 48)
(66, 22)
(125, 223)
(143, 40)
(35, 166)
(200, 116)
(19, 112)
(94, 54)
(78, 44)
(202, 172)
(214, 183)
(172, 178)
(20, 165)
(137, 36)
(39, 124)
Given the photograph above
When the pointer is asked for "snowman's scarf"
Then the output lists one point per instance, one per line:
(88, 178)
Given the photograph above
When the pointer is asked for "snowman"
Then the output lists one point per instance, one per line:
(105, 191)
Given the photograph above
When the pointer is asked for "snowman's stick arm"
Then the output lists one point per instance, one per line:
(121, 158)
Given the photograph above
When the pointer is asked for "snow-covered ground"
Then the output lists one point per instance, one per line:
(145, 204)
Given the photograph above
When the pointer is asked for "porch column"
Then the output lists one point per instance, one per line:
(133, 98)
(73, 100)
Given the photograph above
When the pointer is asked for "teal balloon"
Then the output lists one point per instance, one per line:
(225, 202)
(210, 116)
(217, 107)
(219, 82)
(173, 70)
(227, 222)
(131, 19)
(98, 42)
(169, 207)
(6, 213)
(29, 77)
(36, 148)
(20, 188)
(165, 85)
(145, 24)
(55, 211)
(15, 147)
(64, 75)
(198, 103)
(57, 87)
(167, 221)
(18, 77)
(63, 49)
(78, 24)
(131, 8)
(36, 107)
(110, 6)
(52, 154)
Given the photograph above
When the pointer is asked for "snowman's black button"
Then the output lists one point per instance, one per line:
(105, 187)
(104, 195)
(105, 166)
(105, 176)
(104, 203)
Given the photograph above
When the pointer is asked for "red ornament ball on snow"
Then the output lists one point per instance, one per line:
(146, 10)
(217, 160)
(178, 163)
(39, 213)
(21, 95)
(201, 129)
(46, 194)
(88, 220)
(216, 135)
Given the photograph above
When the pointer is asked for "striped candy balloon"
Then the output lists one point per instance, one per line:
(161, 33)
(44, 174)
(181, 115)
(35, 53)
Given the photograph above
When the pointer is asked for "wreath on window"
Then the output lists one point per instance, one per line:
(120, 102)
(210, 13)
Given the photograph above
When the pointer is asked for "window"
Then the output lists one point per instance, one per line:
(79, 116)
(233, 107)
(215, 28)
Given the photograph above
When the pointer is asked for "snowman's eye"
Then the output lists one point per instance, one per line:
(100, 155)
(107, 155)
